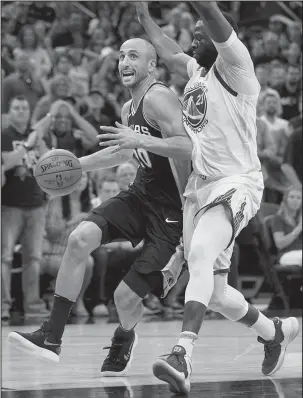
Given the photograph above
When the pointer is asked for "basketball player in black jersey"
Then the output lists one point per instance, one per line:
(151, 210)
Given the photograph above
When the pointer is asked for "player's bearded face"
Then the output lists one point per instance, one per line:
(132, 69)
(203, 48)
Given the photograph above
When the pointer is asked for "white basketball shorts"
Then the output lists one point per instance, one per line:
(240, 194)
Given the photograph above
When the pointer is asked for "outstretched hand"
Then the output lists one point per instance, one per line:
(123, 136)
(142, 10)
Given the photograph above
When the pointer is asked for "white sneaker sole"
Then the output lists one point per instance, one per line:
(176, 380)
(26, 346)
(123, 372)
(294, 330)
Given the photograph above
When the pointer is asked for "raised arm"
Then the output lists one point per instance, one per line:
(215, 24)
(168, 50)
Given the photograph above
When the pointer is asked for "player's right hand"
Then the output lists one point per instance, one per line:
(142, 10)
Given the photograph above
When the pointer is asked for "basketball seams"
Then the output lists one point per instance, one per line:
(56, 172)
(60, 188)
(64, 166)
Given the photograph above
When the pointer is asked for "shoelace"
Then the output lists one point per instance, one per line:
(114, 351)
(269, 346)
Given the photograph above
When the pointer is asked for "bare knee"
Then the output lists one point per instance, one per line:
(85, 238)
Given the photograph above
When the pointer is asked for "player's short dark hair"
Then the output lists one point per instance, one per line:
(18, 98)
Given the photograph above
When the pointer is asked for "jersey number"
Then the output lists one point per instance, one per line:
(141, 154)
(143, 158)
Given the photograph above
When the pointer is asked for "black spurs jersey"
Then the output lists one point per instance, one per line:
(154, 178)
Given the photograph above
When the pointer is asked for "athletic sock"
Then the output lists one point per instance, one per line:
(262, 325)
(187, 341)
(58, 317)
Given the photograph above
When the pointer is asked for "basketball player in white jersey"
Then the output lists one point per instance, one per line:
(225, 189)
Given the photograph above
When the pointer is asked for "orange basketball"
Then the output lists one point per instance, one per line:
(58, 172)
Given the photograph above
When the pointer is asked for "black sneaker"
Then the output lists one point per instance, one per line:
(120, 356)
(175, 370)
(37, 343)
(286, 332)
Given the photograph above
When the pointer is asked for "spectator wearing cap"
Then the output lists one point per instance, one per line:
(29, 44)
(290, 91)
(22, 82)
(59, 89)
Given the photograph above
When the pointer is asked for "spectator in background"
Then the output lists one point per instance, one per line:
(38, 56)
(173, 29)
(22, 210)
(64, 128)
(73, 35)
(294, 31)
(293, 54)
(277, 77)
(96, 115)
(276, 183)
(186, 34)
(266, 147)
(41, 11)
(292, 166)
(126, 174)
(286, 227)
(108, 188)
(63, 63)
(63, 216)
(59, 88)
(22, 82)
(289, 92)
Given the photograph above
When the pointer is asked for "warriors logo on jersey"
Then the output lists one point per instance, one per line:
(195, 107)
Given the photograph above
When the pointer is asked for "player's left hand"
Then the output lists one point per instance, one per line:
(123, 136)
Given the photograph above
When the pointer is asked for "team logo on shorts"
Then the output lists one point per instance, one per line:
(195, 107)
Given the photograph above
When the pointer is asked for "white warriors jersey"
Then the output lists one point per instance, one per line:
(219, 112)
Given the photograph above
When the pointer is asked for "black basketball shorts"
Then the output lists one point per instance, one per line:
(127, 217)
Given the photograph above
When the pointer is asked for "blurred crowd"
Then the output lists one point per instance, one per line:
(60, 83)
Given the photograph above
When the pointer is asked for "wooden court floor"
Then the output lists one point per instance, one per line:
(226, 362)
